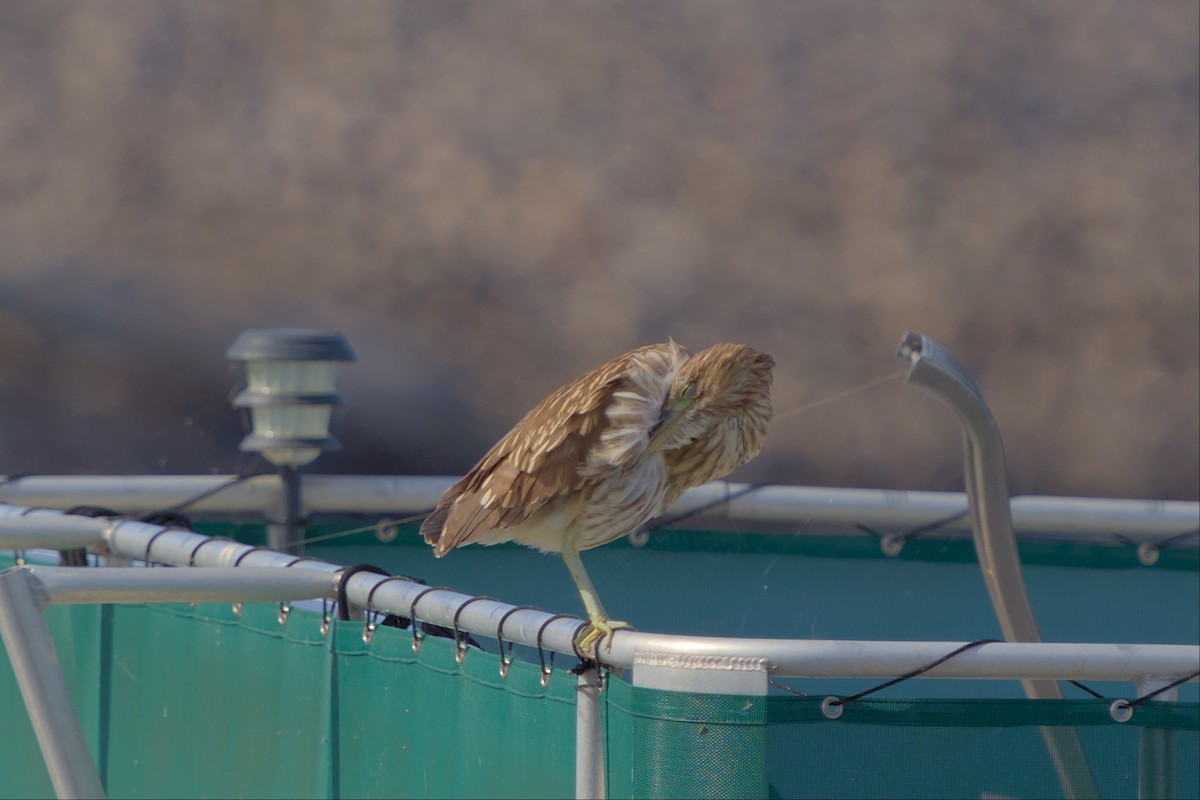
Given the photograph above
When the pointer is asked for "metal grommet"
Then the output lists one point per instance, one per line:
(284, 609)
(639, 538)
(1148, 553)
(832, 707)
(506, 656)
(891, 544)
(237, 609)
(386, 531)
(1121, 711)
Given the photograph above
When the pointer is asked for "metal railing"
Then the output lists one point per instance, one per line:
(691, 663)
(816, 508)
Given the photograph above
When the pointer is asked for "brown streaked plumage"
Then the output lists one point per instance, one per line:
(608, 451)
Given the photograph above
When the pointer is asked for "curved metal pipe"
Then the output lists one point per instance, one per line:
(985, 468)
(936, 371)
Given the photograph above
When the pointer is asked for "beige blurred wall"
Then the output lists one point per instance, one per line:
(491, 197)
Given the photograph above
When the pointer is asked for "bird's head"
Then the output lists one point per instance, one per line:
(722, 381)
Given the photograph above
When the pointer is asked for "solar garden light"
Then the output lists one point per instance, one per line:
(291, 375)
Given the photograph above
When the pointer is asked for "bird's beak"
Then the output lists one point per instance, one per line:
(667, 424)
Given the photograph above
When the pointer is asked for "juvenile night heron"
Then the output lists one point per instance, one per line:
(607, 452)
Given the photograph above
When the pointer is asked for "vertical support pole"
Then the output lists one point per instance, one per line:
(285, 533)
(47, 701)
(1156, 749)
(589, 738)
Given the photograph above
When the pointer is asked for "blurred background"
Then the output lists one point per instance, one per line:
(491, 198)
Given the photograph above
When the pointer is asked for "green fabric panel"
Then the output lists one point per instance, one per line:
(957, 748)
(207, 704)
(187, 702)
(419, 725)
(680, 744)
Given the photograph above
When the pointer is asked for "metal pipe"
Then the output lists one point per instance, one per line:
(797, 658)
(1073, 517)
(285, 531)
(72, 586)
(875, 659)
(589, 737)
(938, 372)
(58, 532)
(47, 699)
(141, 493)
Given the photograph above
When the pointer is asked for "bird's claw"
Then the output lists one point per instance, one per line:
(588, 641)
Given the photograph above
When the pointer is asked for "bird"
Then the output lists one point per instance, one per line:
(605, 453)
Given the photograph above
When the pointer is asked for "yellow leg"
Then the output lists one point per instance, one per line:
(599, 625)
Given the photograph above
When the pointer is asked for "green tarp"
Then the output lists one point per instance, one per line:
(179, 701)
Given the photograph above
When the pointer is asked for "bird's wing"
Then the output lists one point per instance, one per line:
(593, 423)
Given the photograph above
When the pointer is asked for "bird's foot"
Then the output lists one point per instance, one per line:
(597, 630)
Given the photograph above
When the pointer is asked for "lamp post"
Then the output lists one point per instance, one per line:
(291, 375)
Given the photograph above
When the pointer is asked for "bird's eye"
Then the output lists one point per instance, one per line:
(689, 391)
